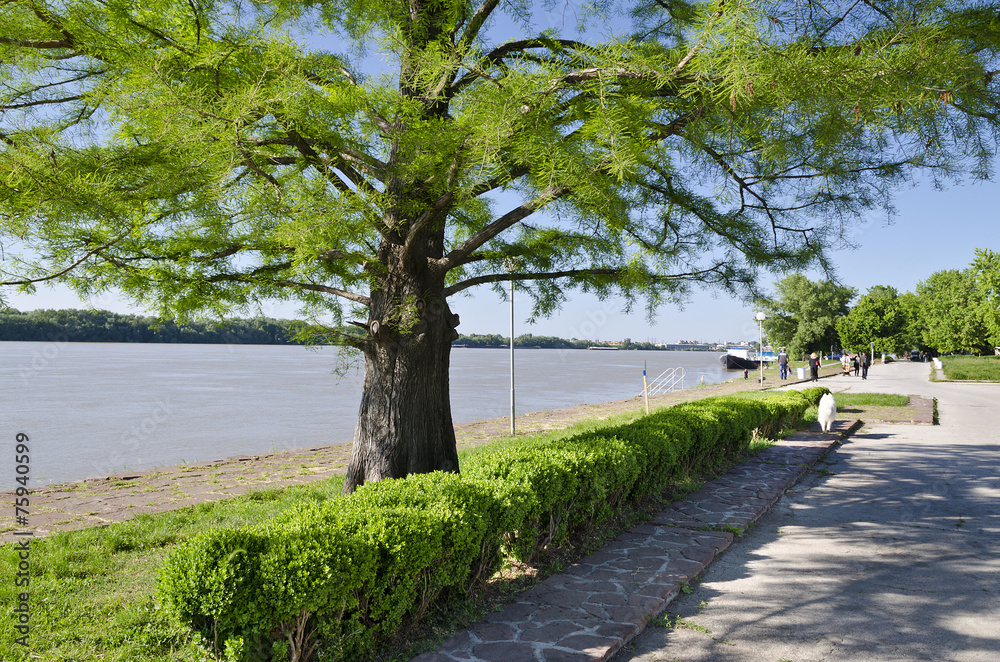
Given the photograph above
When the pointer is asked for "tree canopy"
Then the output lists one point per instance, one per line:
(204, 155)
(951, 309)
(105, 326)
(803, 315)
(986, 272)
(878, 319)
(198, 156)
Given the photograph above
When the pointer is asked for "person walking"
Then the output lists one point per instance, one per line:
(845, 361)
(783, 363)
(814, 367)
(866, 361)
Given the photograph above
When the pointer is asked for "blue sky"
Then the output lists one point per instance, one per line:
(933, 230)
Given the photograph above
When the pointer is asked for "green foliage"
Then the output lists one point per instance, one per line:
(986, 272)
(803, 315)
(877, 318)
(913, 332)
(952, 312)
(203, 156)
(549, 342)
(814, 394)
(356, 569)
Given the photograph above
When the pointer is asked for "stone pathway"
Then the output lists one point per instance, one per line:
(601, 602)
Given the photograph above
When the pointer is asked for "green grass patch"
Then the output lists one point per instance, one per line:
(974, 368)
(870, 400)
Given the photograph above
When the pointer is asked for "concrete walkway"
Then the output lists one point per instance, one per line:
(888, 552)
(893, 556)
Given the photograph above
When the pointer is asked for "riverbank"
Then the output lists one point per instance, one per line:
(122, 496)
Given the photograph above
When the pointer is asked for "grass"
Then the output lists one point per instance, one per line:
(870, 400)
(972, 368)
(107, 576)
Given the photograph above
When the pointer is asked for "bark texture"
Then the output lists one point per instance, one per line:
(404, 423)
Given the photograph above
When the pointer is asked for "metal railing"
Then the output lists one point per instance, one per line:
(667, 381)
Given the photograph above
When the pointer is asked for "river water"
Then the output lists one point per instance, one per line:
(92, 409)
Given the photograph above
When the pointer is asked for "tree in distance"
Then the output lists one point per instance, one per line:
(877, 320)
(951, 311)
(986, 272)
(803, 315)
(202, 156)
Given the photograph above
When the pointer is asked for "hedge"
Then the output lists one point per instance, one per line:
(340, 577)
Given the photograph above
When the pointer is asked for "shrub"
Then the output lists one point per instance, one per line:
(814, 394)
(342, 575)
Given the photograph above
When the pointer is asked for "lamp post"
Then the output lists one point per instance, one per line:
(512, 430)
(760, 348)
(511, 266)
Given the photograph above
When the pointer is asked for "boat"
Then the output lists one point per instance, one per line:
(603, 348)
(739, 358)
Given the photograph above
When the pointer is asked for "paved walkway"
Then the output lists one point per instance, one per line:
(886, 552)
(891, 554)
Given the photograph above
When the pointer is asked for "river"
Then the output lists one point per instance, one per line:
(91, 409)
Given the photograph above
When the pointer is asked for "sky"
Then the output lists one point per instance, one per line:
(932, 230)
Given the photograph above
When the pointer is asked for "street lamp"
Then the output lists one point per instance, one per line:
(512, 430)
(760, 348)
(511, 266)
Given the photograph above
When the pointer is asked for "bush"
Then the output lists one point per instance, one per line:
(346, 574)
(814, 394)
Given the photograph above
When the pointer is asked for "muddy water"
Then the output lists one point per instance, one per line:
(96, 408)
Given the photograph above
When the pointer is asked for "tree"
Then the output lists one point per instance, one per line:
(913, 332)
(986, 272)
(196, 156)
(951, 311)
(877, 319)
(803, 315)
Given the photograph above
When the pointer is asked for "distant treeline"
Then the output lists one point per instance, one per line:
(104, 326)
(545, 342)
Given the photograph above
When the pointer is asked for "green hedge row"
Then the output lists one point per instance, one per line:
(337, 578)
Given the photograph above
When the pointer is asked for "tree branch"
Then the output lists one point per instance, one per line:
(458, 255)
(350, 296)
(43, 102)
(65, 271)
(596, 271)
(499, 278)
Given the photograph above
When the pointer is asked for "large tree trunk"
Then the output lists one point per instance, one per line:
(404, 424)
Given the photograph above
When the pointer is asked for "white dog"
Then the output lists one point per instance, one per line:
(827, 412)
